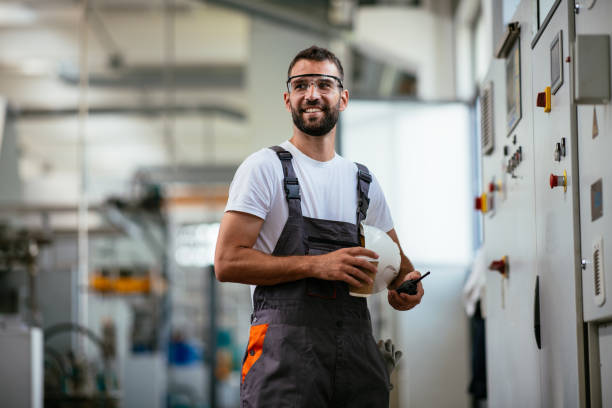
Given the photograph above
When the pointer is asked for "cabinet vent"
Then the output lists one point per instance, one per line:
(486, 118)
(597, 272)
(599, 285)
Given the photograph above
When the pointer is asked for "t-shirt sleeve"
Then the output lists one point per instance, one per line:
(379, 214)
(253, 186)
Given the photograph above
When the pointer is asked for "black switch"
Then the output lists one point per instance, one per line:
(563, 147)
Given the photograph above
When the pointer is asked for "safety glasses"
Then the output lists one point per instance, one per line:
(325, 84)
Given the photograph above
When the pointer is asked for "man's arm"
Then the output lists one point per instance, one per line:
(237, 261)
(402, 301)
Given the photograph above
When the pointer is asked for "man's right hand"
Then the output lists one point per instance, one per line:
(344, 265)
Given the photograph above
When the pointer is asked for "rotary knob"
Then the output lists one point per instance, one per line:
(544, 99)
(481, 203)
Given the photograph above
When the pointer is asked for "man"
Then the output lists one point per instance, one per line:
(291, 228)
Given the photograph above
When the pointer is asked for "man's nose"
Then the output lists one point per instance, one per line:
(313, 91)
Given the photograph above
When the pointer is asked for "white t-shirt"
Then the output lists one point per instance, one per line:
(328, 191)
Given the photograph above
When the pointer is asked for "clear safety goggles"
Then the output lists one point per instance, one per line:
(325, 84)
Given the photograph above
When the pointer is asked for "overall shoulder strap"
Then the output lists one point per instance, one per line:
(290, 182)
(364, 178)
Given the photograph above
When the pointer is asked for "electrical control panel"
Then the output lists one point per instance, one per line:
(509, 226)
(557, 233)
(537, 306)
(594, 122)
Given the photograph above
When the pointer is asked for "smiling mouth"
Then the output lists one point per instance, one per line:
(312, 110)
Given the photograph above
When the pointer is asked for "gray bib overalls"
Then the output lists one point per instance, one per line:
(310, 343)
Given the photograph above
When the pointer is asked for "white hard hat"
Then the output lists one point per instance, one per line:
(389, 258)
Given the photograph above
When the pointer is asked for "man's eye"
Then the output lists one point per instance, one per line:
(324, 85)
(299, 85)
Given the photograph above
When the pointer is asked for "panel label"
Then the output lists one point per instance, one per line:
(596, 200)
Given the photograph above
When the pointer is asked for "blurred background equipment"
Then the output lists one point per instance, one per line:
(21, 339)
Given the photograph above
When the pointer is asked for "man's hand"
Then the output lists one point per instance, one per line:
(344, 265)
(402, 301)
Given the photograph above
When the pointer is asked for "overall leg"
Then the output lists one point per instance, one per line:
(362, 379)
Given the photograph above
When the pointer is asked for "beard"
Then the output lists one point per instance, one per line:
(316, 126)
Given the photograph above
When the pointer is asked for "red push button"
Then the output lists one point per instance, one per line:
(478, 203)
(500, 265)
(558, 181)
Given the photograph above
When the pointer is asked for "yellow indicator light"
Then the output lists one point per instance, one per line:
(548, 98)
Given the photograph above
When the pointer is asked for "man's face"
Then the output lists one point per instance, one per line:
(315, 111)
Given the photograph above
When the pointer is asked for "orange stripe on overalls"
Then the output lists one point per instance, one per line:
(257, 335)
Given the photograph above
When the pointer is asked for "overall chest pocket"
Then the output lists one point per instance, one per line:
(318, 287)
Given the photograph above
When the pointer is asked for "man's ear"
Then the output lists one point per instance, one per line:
(287, 101)
(344, 98)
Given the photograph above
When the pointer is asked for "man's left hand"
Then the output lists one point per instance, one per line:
(402, 301)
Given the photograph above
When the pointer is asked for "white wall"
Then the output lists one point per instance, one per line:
(435, 368)
(420, 155)
(477, 30)
(415, 39)
(271, 50)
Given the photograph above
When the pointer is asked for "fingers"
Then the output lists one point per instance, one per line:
(363, 264)
(395, 300)
(402, 301)
(356, 275)
(413, 275)
(347, 265)
(351, 281)
(361, 251)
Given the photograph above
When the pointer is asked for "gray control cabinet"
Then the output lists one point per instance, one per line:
(513, 362)
(594, 125)
(535, 336)
(557, 227)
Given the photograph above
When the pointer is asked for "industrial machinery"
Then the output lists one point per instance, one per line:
(545, 109)
(21, 339)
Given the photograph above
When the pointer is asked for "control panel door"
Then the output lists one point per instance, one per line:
(556, 214)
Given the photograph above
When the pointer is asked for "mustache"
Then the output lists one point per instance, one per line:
(314, 104)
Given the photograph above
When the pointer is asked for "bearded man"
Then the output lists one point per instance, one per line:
(291, 229)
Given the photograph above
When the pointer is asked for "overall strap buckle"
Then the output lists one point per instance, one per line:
(364, 178)
(292, 188)
(362, 206)
(367, 177)
(284, 155)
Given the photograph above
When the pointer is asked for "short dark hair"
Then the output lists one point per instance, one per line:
(317, 54)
